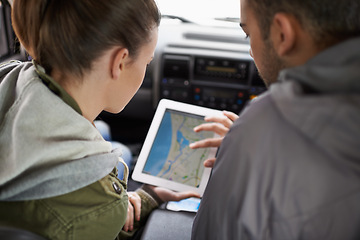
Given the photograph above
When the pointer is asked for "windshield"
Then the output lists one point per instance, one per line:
(202, 11)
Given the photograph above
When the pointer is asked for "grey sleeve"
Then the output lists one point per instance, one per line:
(221, 206)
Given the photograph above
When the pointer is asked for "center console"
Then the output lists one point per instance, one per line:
(217, 82)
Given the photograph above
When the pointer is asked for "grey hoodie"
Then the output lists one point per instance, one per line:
(46, 147)
(289, 167)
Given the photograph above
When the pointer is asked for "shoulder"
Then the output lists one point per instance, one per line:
(247, 143)
(258, 119)
(12, 69)
(260, 137)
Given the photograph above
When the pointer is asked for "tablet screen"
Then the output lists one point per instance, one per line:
(165, 159)
(170, 156)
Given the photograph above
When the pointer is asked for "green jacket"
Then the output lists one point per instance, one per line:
(61, 198)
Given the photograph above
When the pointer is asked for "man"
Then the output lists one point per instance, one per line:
(289, 168)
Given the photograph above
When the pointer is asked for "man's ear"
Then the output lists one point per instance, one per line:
(119, 57)
(283, 33)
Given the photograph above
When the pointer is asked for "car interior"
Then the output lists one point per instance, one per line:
(201, 62)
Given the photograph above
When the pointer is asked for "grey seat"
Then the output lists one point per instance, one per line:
(164, 224)
(11, 233)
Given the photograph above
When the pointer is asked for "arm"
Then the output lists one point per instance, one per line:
(219, 125)
(144, 200)
(222, 202)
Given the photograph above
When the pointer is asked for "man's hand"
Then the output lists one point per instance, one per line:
(219, 125)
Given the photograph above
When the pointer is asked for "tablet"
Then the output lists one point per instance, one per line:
(166, 159)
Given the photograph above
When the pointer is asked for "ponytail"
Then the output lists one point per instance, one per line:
(27, 19)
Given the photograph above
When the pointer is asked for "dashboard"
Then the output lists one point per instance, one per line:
(206, 66)
(202, 65)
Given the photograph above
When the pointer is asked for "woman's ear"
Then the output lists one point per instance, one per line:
(119, 57)
(283, 33)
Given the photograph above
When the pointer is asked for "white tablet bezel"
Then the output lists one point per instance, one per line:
(164, 105)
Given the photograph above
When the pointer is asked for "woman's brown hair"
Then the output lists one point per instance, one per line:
(68, 35)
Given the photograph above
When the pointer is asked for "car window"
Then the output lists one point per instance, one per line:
(207, 12)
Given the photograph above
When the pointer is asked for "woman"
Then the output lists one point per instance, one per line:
(57, 173)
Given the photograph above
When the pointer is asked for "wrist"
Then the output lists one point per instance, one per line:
(150, 192)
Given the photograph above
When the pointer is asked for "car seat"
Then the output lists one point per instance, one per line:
(11, 233)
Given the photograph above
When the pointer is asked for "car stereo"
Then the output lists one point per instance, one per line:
(220, 83)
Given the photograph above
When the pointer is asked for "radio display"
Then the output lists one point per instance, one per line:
(221, 94)
(214, 69)
(220, 69)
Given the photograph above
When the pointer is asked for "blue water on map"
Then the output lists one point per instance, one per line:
(158, 154)
(183, 142)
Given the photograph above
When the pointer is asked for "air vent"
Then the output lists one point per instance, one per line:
(176, 67)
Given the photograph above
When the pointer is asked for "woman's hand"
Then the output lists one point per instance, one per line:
(134, 210)
(168, 195)
(219, 125)
(134, 206)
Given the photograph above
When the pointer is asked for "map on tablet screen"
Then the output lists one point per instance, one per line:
(171, 157)
(166, 158)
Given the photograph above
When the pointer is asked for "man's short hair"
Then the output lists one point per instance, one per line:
(328, 21)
